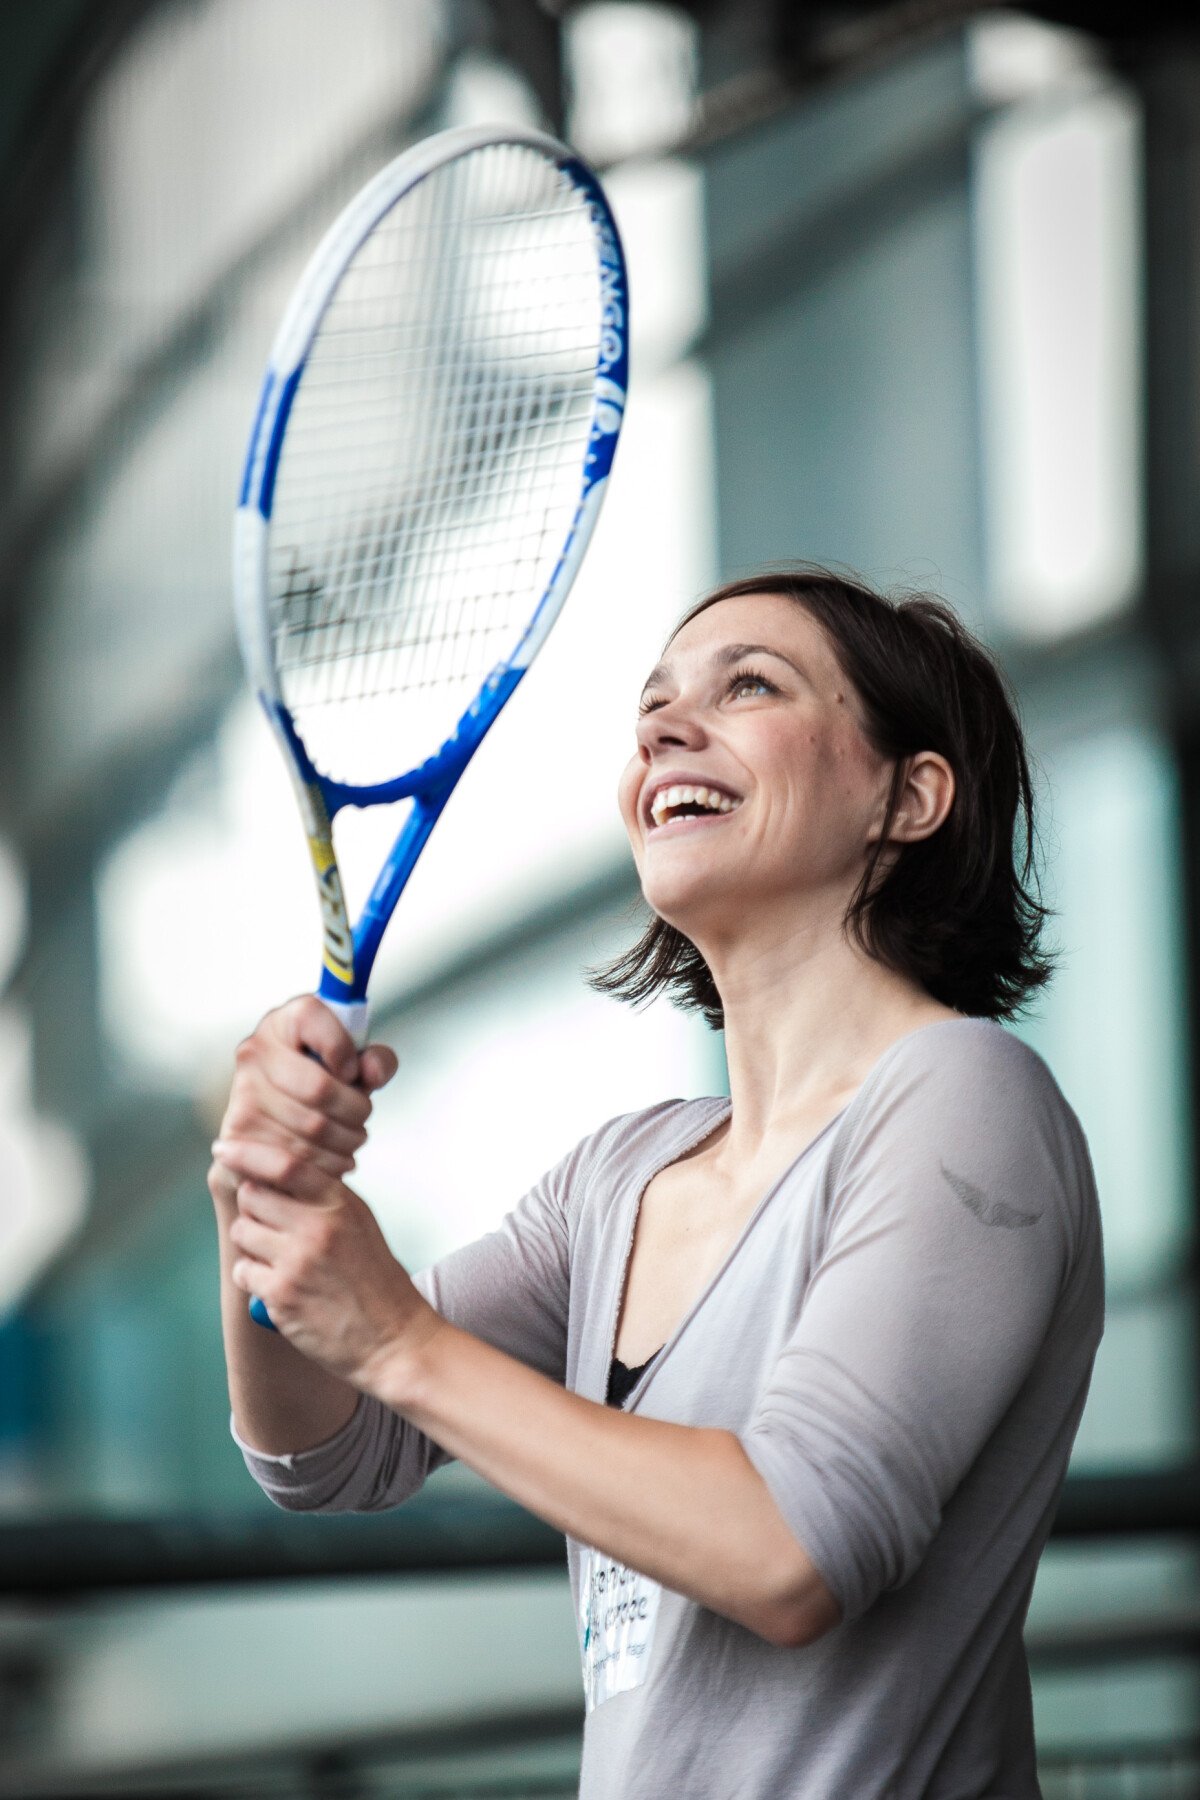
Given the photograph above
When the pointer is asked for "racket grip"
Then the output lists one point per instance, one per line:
(355, 1015)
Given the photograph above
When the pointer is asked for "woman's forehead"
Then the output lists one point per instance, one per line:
(772, 620)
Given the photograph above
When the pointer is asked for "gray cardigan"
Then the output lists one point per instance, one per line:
(902, 1339)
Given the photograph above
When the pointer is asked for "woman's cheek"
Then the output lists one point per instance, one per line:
(627, 793)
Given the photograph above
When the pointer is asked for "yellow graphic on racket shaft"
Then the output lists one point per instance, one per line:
(335, 922)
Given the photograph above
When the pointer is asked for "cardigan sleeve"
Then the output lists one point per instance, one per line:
(962, 1246)
(510, 1288)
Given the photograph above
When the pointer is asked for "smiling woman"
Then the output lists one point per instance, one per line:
(956, 911)
(797, 1372)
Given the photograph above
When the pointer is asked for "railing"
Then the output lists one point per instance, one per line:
(452, 1533)
(433, 1534)
(1140, 1772)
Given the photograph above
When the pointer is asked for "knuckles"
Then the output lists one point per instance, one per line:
(314, 1125)
(320, 1088)
(222, 1185)
(240, 1116)
(290, 1166)
(311, 1020)
(324, 1100)
(307, 1010)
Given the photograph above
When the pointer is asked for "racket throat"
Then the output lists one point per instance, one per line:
(349, 954)
(390, 883)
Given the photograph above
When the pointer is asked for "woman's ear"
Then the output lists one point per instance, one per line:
(927, 788)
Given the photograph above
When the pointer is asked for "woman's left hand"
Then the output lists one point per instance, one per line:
(313, 1252)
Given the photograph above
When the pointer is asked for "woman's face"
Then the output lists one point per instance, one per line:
(752, 780)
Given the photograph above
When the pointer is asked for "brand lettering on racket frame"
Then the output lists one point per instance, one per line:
(610, 406)
(612, 300)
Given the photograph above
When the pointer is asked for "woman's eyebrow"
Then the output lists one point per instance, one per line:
(732, 653)
(724, 658)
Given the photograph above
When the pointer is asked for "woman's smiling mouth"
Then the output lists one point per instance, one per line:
(672, 802)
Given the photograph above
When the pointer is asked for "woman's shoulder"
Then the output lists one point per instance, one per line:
(968, 1056)
(970, 1090)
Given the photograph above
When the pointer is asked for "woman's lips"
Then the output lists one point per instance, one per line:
(671, 802)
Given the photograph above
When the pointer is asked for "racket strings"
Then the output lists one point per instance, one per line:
(431, 469)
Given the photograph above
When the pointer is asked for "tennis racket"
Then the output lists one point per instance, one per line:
(430, 451)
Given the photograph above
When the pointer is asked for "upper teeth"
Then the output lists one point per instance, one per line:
(667, 799)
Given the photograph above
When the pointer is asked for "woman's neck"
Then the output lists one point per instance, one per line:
(805, 1021)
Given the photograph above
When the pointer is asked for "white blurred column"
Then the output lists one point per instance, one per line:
(1059, 291)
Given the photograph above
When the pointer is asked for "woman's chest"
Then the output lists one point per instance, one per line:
(716, 1290)
(686, 1227)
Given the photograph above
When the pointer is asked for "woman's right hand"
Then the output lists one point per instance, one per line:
(301, 1085)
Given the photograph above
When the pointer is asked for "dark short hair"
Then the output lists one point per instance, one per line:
(958, 912)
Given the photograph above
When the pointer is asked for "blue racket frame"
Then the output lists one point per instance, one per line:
(350, 950)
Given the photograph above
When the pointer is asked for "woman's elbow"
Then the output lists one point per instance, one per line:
(285, 1499)
(339, 1500)
(794, 1613)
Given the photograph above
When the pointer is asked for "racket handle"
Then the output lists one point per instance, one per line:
(355, 1015)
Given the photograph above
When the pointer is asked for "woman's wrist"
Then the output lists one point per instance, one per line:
(403, 1370)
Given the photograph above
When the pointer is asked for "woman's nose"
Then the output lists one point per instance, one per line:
(673, 724)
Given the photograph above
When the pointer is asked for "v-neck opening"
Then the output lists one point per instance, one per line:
(691, 1140)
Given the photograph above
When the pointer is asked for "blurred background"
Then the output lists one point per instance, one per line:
(916, 288)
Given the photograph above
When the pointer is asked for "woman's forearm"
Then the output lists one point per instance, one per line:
(684, 1506)
(281, 1401)
(300, 1083)
(681, 1505)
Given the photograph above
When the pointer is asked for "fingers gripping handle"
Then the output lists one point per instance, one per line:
(355, 1015)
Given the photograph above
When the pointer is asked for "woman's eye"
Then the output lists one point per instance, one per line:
(649, 703)
(746, 681)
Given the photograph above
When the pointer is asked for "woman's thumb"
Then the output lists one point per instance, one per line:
(376, 1066)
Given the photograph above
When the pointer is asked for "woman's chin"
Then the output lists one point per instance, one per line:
(692, 907)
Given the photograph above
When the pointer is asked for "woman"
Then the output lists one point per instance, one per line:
(852, 1311)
